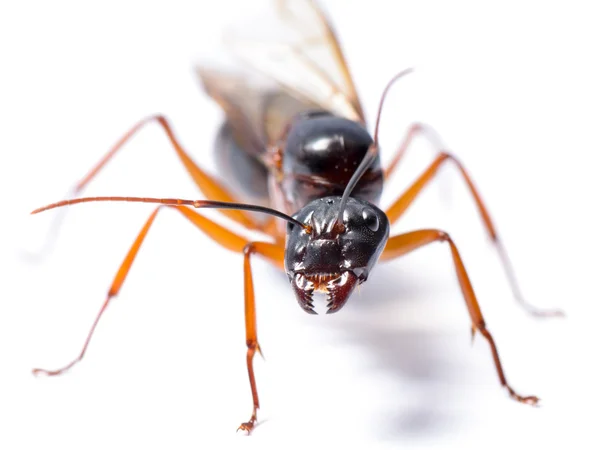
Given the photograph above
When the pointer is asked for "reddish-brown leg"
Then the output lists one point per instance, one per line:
(218, 233)
(399, 207)
(208, 185)
(112, 292)
(275, 254)
(413, 131)
(231, 241)
(404, 243)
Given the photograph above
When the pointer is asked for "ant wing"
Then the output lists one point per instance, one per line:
(304, 58)
(257, 110)
(240, 105)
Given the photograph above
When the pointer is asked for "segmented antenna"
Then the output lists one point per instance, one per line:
(371, 152)
(178, 202)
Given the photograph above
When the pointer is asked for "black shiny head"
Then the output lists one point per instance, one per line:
(331, 258)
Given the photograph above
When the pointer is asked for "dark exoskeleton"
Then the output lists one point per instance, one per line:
(311, 169)
(299, 150)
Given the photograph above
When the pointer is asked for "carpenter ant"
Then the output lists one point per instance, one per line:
(301, 152)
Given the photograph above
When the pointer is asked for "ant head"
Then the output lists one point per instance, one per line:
(332, 256)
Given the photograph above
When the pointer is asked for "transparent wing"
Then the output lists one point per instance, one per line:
(302, 54)
(258, 111)
(240, 104)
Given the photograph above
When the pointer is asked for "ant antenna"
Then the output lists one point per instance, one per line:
(178, 202)
(372, 151)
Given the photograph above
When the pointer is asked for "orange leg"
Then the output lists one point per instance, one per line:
(275, 254)
(414, 130)
(399, 207)
(229, 240)
(208, 185)
(404, 243)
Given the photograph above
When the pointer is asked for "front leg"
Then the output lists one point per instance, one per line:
(405, 243)
(274, 253)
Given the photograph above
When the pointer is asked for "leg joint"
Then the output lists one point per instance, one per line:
(445, 154)
(249, 248)
(416, 127)
(443, 236)
(159, 118)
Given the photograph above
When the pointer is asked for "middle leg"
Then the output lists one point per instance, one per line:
(207, 184)
(212, 188)
(399, 207)
(215, 231)
(273, 253)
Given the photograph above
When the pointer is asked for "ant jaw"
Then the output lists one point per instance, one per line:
(304, 289)
(337, 288)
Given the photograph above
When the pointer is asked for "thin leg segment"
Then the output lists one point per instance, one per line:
(413, 131)
(218, 233)
(231, 241)
(399, 207)
(275, 254)
(112, 292)
(208, 185)
(405, 243)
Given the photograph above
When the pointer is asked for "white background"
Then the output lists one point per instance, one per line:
(512, 90)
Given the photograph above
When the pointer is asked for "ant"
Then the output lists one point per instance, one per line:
(302, 154)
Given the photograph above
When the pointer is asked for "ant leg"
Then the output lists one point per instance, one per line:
(405, 243)
(414, 130)
(276, 254)
(208, 185)
(218, 233)
(399, 207)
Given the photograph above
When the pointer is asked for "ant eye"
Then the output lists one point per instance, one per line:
(371, 220)
(290, 227)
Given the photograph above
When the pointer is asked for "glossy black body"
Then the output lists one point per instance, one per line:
(246, 174)
(321, 153)
(317, 155)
